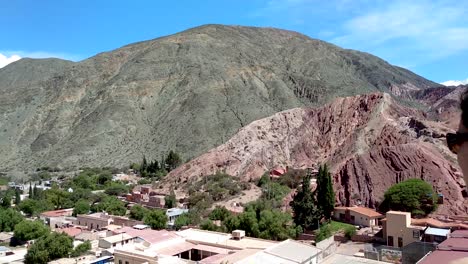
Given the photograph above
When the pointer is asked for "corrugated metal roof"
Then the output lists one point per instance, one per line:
(437, 231)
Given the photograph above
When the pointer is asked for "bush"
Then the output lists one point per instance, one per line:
(138, 212)
(30, 230)
(156, 219)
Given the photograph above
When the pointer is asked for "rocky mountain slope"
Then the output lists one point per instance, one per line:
(189, 92)
(370, 141)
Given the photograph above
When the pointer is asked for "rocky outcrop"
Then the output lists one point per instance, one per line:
(370, 141)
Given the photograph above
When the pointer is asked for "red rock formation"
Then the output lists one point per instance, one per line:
(369, 141)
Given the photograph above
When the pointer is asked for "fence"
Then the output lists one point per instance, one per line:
(328, 247)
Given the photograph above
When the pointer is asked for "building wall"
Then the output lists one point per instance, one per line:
(92, 222)
(359, 219)
(399, 226)
(121, 257)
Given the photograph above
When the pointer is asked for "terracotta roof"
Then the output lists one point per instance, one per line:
(371, 213)
(436, 223)
(441, 256)
(57, 213)
(151, 236)
(71, 231)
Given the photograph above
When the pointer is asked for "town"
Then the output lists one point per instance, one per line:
(130, 223)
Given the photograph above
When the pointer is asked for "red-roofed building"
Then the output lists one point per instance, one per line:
(454, 248)
(357, 215)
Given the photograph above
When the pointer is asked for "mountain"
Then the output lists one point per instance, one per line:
(370, 141)
(187, 92)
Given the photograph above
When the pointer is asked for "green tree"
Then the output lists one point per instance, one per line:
(29, 230)
(31, 194)
(17, 197)
(306, 213)
(323, 232)
(48, 248)
(29, 206)
(325, 193)
(156, 219)
(9, 218)
(116, 189)
(6, 201)
(207, 224)
(138, 212)
(219, 213)
(81, 207)
(182, 220)
(276, 225)
(173, 160)
(81, 249)
(170, 200)
(35, 193)
(413, 195)
(231, 223)
(109, 204)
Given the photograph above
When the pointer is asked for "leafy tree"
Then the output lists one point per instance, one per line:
(173, 160)
(249, 223)
(9, 218)
(265, 179)
(138, 212)
(116, 189)
(274, 191)
(156, 219)
(6, 201)
(412, 195)
(306, 213)
(81, 249)
(80, 194)
(170, 200)
(81, 207)
(200, 201)
(48, 248)
(231, 223)
(29, 207)
(207, 224)
(325, 193)
(58, 198)
(29, 230)
(17, 197)
(220, 213)
(276, 225)
(182, 220)
(109, 204)
(104, 178)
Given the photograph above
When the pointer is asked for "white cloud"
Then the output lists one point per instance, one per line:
(455, 83)
(434, 29)
(4, 60)
(18, 54)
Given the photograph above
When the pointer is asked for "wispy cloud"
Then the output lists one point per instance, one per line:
(455, 83)
(5, 60)
(437, 28)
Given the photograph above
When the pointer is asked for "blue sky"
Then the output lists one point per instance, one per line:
(427, 37)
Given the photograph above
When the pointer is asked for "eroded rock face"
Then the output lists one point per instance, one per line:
(370, 142)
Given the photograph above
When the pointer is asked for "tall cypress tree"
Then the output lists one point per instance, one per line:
(17, 197)
(31, 194)
(35, 194)
(304, 205)
(325, 193)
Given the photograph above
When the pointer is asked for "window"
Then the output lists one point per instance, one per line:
(415, 233)
(342, 216)
(126, 262)
(400, 242)
(120, 261)
(352, 217)
(390, 241)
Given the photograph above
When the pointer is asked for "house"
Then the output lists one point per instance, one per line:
(438, 235)
(455, 247)
(96, 221)
(5, 237)
(115, 241)
(57, 218)
(399, 231)
(173, 213)
(357, 215)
